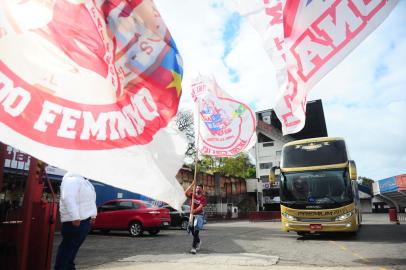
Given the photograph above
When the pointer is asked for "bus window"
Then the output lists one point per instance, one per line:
(318, 187)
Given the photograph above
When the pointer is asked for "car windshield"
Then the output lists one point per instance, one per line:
(185, 208)
(316, 187)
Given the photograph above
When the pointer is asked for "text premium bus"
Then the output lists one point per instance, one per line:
(318, 188)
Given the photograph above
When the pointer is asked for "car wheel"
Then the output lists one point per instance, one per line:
(135, 229)
(184, 224)
(104, 231)
(301, 233)
(154, 231)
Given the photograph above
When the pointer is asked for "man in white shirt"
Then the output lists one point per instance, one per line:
(77, 207)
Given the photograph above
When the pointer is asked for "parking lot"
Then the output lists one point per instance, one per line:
(249, 245)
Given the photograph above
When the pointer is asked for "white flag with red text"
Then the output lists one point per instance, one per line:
(305, 39)
(224, 126)
(92, 87)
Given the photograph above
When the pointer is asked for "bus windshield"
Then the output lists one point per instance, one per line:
(314, 154)
(316, 187)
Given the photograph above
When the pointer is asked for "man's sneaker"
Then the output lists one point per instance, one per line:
(193, 251)
(199, 245)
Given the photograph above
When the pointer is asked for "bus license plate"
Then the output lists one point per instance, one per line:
(316, 227)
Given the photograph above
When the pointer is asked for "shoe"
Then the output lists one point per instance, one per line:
(193, 251)
(199, 245)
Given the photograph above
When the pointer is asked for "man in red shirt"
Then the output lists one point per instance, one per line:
(199, 202)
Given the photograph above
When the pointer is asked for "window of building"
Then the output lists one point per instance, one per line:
(264, 178)
(268, 144)
(278, 153)
(266, 165)
(262, 138)
(266, 117)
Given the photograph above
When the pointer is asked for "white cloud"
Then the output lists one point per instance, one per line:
(364, 97)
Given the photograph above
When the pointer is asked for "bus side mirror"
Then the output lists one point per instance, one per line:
(352, 169)
(272, 176)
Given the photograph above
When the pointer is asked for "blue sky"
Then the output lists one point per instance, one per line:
(364, 97)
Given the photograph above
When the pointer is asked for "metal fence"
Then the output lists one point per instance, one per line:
(402, 217)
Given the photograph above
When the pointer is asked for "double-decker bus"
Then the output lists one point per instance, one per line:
(318, 188)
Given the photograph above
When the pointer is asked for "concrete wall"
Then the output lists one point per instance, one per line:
(366, 206)
(268, 154)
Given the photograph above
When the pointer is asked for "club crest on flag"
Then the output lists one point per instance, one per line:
(215, 118)
(224, 126)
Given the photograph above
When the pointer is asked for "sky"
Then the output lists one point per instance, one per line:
(364, 97)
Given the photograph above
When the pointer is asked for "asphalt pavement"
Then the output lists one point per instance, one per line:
(249, 245)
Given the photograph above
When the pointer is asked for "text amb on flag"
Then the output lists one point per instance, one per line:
(92, 87)
(306, 39)
(224, 126)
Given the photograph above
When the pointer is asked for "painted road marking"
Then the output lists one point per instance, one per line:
(343, 247)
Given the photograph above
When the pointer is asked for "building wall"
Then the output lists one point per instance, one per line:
(366, 206)
(228, 188)
(268, 155)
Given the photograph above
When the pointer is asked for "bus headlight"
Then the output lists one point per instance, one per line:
(344, 217)
(289, 217)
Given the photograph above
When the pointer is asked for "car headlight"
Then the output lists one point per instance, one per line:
(344, 216)
(288, 217)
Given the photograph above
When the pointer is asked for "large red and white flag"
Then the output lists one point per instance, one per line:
(224, 126)
(305, 39)
(92, 86)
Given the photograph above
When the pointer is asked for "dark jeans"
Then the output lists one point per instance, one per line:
(72, 238)
(196, 238)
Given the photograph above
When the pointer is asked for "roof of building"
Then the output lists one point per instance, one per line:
(365, 189)
(315, 125)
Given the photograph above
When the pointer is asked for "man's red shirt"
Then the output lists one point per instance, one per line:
(198, 200)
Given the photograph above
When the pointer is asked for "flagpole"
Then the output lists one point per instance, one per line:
(196, 160)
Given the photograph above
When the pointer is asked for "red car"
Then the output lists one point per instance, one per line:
(133, 215)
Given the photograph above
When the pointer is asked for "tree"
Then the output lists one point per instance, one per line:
(239, 165)
(365, 181)
(184, 121)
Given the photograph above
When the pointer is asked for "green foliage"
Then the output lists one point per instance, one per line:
(238, 166)
(365, 181)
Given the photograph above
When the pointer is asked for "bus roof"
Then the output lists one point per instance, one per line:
(320, 152)
(318, 139)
